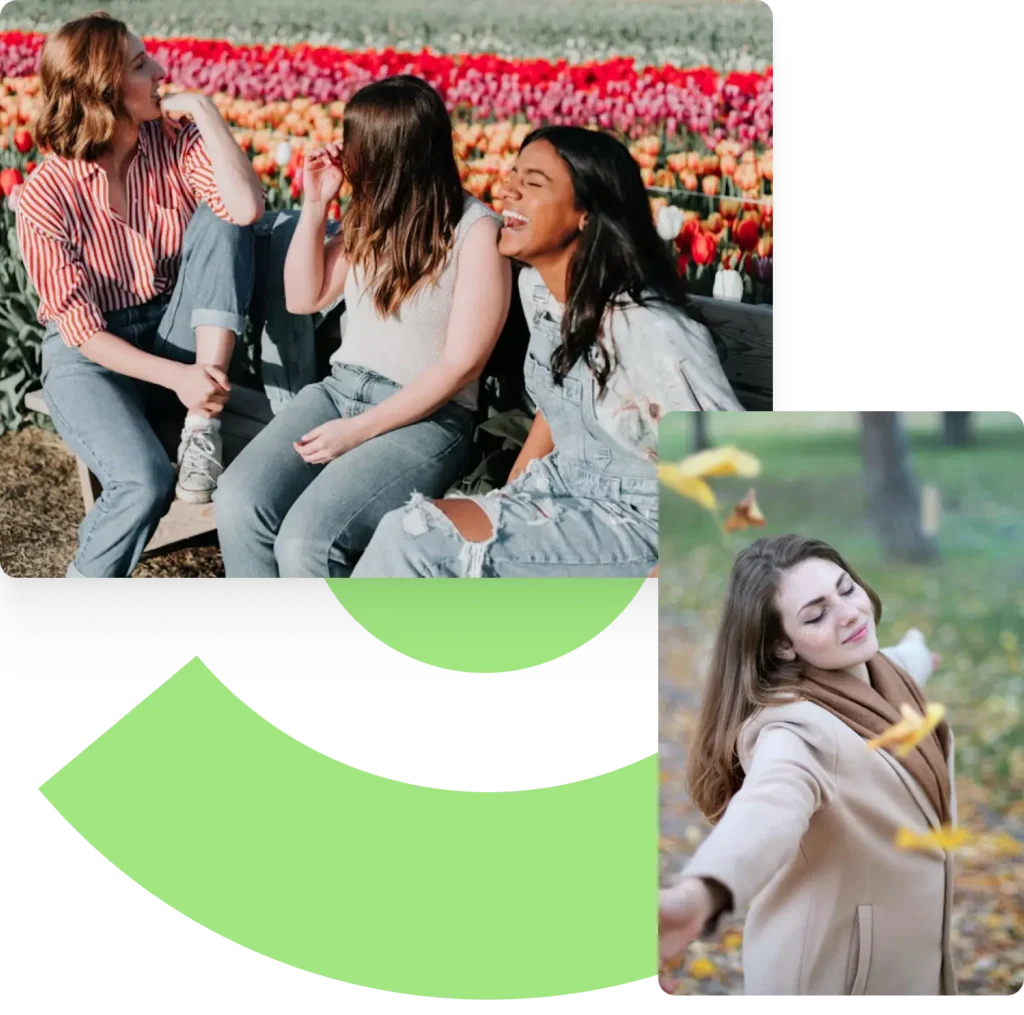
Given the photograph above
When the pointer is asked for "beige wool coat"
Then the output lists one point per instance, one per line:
(806, 848)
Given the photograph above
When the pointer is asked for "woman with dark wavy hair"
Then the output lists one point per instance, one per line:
(613, 347)
(426, 294)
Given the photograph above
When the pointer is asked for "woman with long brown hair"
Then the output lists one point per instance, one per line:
(805, 815)
(426, 294)
(135, 231)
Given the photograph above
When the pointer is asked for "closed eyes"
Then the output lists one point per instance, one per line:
(842, 592)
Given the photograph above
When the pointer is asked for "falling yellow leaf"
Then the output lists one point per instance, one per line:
(1001, 844)
(702, 969)
(729, 461)
(732, 940)
(689, 486)
(745, 514)
(946, 838)
(911, 729)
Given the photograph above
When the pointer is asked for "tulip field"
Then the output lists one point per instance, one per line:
(701, 135)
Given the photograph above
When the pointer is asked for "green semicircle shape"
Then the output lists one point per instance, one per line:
(485, 626)
(376, 882)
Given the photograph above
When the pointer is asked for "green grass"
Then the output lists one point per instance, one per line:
(724, 33)
(970, 605)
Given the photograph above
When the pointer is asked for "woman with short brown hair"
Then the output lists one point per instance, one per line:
(135, 232)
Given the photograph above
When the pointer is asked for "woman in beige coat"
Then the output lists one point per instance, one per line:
(805, 815)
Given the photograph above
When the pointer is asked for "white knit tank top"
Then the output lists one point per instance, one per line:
(401, 346)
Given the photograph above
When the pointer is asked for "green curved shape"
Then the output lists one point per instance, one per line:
(365, 879)
(485, 626)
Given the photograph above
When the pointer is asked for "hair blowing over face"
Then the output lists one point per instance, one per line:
(619, 256)
(406, 194)
(745, 672)
(81, 74)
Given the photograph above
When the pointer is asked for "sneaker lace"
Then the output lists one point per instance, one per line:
(200, 454)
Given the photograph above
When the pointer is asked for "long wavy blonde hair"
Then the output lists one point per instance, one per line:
(745, 672)
(406, 193)
(81, 75)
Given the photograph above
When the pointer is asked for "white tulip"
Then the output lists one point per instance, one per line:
(283, 155)
(669, 221)
(728, 286)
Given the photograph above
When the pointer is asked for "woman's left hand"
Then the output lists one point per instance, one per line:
(177, 105)
(330, 440)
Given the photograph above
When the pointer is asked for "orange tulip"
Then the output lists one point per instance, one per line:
(715, 223)
(710, 185)
(729, 209)
(728, 164)
(688, 180)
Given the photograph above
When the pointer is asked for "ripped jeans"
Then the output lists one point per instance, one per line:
(555, 520)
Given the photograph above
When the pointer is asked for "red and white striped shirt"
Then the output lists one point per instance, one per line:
(83, 258)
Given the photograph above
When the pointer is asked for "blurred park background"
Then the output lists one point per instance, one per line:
(929, 508)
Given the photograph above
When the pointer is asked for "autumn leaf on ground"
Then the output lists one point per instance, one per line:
(911, 729)
(947, 838)
(745, 514)
(702, 968)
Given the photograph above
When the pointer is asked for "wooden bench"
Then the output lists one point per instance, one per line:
(246, 414)
(745, 330)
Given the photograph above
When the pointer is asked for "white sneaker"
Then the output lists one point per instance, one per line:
(200, 463)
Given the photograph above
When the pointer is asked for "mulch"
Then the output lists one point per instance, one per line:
(41, 509)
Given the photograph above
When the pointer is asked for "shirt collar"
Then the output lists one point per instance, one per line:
(82, 169)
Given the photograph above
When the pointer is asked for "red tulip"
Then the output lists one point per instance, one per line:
(703, 247)
(746, 234)
(29, 166)
(9, 179)
(23, 141)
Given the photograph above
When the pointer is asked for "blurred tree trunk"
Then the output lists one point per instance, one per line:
(700, 432)
(893, 497)
(956, 429)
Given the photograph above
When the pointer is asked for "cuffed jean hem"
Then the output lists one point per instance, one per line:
(219, 319)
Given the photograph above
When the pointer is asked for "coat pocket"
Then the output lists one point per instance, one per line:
(860, 949)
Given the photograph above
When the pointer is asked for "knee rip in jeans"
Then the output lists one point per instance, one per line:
(422, 515)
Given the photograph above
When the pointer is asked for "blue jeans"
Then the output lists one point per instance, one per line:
(104, 417)
(588, 509)
(279, 516)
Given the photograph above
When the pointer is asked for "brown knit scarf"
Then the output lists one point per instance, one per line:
(869, 711)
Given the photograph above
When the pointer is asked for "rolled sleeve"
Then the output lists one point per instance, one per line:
(195, 166)
(66, 295)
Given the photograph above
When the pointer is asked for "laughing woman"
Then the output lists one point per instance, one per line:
(134, 233)
(612, 348)
(426, 295)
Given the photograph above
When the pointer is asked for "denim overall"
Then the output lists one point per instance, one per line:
(588, 509)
